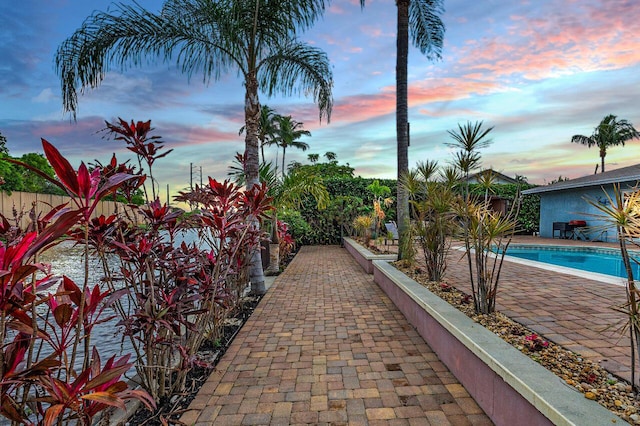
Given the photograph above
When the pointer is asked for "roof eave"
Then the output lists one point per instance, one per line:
(552, 188)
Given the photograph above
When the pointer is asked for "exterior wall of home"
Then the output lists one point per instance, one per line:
(567, 205)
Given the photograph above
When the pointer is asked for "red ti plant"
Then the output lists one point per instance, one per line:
(183, 273)
(41, 331)
(286, 242)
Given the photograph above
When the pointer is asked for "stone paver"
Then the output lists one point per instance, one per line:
(574, 312)
(326, 346)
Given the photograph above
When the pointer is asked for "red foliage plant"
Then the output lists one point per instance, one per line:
(170, 278)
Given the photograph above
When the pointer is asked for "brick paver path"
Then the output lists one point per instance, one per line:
(326, 346)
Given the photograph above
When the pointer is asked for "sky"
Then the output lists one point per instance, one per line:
(538, 72)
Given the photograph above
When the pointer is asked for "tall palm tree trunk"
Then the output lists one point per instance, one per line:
(284, 150)
(251, 169)
(402, 207)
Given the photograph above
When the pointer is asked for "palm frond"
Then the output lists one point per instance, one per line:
(426, 27)
(297, 68)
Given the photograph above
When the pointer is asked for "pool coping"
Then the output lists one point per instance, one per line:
(595, 276)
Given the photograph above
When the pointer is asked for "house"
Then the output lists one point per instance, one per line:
(498, 178)
(497, 203)
(564, 206)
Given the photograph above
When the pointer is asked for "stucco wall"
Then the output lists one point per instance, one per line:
(564, 206)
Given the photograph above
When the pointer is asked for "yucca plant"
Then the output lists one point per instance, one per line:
(622, 212)
(488, 235)
(431, 203)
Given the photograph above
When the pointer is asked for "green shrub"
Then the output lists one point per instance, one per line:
(298, 227)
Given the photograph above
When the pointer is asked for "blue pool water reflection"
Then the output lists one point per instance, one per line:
(591, 259)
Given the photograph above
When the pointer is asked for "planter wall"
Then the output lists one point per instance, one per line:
(363, 256)
(510, 387)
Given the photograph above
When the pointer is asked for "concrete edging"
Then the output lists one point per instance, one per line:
(363, 256)
(509, 386)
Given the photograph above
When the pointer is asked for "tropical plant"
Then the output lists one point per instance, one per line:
(288, 193)
(313, 158)
(287, 135)
(610, 132)
(49, 371)
(421, 17)
(256, 39)
(177, 294)
(622, 212)
(169, 295)
(381, 199)
(433, 206)
(362, 225)
(489, 234)
(486, 233)
(468, 140)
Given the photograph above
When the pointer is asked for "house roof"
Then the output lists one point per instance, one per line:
(622, 175)
(497, 175)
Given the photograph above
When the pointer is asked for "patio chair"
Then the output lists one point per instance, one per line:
(392, 232)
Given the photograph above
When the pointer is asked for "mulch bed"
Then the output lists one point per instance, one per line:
(585, 376)
(170, 409)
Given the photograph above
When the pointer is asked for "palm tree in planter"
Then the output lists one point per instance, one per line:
(287, 135)
(421, 17)
(256, 39)
(610, 132)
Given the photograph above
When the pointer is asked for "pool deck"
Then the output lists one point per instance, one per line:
(574, 312)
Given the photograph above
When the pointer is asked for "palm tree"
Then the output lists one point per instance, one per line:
(266, 127)
(287, 134)
(610, 132)
(427, 34)
(468, 139)
(330, 156)
(254, 38)
(313, 158)
(288, 192)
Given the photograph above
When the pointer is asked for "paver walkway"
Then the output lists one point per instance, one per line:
(327, 347)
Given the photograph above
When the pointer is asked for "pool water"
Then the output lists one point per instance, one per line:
(591, 259)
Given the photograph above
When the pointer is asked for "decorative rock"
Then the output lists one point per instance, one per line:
(590, 395)
(618, 403)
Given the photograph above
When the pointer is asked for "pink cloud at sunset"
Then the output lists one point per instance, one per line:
(537, 71)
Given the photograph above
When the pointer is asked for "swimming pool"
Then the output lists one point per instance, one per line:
(592, 259)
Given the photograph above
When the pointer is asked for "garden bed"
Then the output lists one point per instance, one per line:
(511, 387)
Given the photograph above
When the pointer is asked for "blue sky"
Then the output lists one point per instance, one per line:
(538, 71)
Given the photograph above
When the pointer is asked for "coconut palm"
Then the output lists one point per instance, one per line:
(421, 17)
(254, 38)
(610, 132)
(287, 134)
